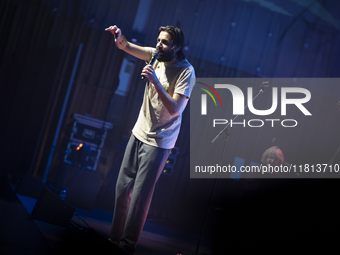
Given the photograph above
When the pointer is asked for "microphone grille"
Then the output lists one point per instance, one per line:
(264, 85)
(154, 57)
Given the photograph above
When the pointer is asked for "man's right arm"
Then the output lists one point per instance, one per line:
(128, 47)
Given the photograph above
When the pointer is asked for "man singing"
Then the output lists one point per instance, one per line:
(167, 91)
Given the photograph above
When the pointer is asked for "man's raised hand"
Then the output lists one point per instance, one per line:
(115, 31)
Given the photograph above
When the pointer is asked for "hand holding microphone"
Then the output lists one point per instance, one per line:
(148, 69)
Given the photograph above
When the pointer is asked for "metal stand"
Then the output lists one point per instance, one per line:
(227, 131)
(336, 153)
(62, 194)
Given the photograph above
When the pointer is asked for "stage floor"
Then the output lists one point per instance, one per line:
(299, 216)
(20, 234)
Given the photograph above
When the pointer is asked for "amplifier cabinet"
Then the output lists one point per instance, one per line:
(89, 131)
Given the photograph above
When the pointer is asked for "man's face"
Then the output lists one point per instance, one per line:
(165, 47)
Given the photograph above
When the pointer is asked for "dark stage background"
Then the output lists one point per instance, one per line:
(39, 42)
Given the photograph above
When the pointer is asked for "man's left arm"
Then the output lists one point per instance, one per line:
(172, 103)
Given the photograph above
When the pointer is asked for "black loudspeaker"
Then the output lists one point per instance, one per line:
(52, 209)
(81, 187)
(29, 186)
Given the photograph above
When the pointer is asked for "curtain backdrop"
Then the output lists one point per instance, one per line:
(234, 38)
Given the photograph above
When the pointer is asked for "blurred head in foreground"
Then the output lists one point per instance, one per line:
(272, 156)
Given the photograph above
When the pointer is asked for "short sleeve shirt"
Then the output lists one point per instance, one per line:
(155, 126)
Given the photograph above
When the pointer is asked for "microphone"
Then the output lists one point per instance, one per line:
(152, 60)
(263, 86)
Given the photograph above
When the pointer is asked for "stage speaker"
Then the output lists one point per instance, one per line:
(29, 186)
(52, 209)
(81, 187)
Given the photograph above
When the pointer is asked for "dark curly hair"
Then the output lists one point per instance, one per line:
(177, 37)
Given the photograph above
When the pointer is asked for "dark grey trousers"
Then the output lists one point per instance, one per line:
(141, 167)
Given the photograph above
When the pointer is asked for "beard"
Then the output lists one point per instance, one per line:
(166, 56)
